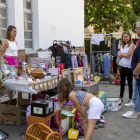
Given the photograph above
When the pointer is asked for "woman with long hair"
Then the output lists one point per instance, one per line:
(10, 52)
(126, 52)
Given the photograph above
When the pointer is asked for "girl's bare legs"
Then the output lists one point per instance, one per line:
(90, 128)
(84, 122)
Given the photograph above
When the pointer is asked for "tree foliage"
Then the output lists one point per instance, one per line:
(109, 15)
(136, 6)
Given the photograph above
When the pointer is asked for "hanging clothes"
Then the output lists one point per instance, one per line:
(92, 62)
(119, 46)
(72, 62)
(82, 63)
(57, 50)
(68, 63)
(98, 67)
(85, 65)
(108, 43)
(105, 64)
(97, 38)
(101, 62)
(75, 63)
(114, 47)
(78, 61)
(115, 64)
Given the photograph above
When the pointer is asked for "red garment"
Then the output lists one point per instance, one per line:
(82, 63)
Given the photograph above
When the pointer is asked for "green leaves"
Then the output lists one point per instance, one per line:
(136, 6)
(110, 15)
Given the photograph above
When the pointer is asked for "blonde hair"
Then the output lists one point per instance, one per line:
(130, 40)
(8, 31)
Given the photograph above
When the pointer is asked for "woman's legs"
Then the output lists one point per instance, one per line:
(122, 82)
(90, 128)
(130, 84)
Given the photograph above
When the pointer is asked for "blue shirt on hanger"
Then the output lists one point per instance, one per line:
(105, 64)
(85, 65)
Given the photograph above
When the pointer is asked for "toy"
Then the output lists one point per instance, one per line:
(73, 134)
(96, 78)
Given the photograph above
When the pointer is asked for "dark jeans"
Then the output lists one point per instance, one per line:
(126, 72)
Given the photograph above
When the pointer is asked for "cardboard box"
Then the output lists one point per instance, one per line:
(11, 117)
(66, 123)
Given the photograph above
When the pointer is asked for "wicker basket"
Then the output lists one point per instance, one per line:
(39, 131)
(88, 88)
(37, 73)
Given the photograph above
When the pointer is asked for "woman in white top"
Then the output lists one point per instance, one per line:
(10, 52)
(126, 52)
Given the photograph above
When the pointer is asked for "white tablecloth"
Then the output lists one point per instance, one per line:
(22, 85)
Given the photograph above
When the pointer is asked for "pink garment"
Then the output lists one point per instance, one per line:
(75, 61)
(138, 41)
(12, 60)
(56, 119)
(48, 123)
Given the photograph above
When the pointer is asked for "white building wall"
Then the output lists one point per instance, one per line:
(52, 20)
(61, 20)
(15, 17)
(35, 19)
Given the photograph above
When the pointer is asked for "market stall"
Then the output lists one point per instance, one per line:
(41, 76)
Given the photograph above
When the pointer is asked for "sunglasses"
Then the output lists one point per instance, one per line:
(11, 27)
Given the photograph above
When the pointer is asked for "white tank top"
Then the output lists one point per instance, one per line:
(125, 62)
(12, 50)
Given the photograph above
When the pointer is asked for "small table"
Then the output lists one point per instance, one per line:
(49, 120)
(31, 87)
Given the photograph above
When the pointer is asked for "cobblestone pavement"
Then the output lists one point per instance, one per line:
(116, 128)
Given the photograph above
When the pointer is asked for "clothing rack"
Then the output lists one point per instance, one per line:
(91, 51)
(58, 41)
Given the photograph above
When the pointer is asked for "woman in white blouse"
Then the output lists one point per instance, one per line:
(126, 52)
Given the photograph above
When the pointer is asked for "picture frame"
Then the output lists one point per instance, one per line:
(66, 74)
(78, 74)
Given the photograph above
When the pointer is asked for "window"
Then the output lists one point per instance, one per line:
(3, 19)
(3, 1)
(26, 4)
(27, 24)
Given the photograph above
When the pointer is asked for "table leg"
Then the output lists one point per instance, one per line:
(10, 100)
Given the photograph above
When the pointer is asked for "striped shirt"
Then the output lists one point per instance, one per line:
(80, 95)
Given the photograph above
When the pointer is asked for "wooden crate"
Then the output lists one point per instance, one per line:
(34, 119)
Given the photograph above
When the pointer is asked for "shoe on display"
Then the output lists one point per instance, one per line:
(131, 104)
(130, 115)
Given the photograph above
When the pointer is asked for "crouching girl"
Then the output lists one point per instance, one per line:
(79, 99)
